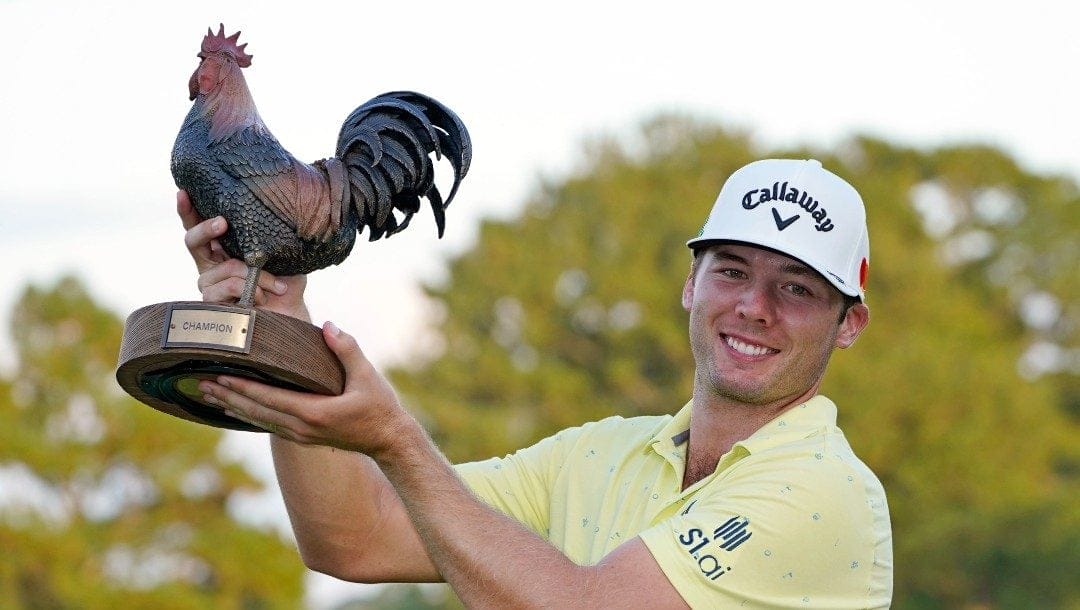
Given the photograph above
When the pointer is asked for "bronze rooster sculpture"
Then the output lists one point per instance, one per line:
(289, 217)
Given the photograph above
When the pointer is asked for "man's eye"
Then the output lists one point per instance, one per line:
(732, 273)
(798, 289)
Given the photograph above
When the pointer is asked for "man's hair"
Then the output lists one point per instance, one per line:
(849, 302)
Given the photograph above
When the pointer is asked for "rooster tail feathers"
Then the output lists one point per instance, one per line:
(438, 208)
(457, 142)
(363, 194)
(414, 168)
(361, 135)
(460, 165)
(386, 145)
(378, 208)
(419, 120)
(452, 135)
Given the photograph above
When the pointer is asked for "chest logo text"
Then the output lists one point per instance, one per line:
(727, 537)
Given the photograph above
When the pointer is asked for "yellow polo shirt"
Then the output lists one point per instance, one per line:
(790, 518)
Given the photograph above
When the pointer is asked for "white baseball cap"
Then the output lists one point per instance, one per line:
(797, 208)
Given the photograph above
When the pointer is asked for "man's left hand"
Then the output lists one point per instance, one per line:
(365, 418)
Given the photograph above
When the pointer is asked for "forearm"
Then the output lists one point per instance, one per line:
(428, 523)
(347, 519)
(490, 560)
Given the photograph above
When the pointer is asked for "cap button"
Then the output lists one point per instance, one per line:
(814, 163)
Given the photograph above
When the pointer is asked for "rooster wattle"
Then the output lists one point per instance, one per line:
(289, 217)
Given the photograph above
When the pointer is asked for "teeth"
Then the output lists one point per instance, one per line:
(746, 348)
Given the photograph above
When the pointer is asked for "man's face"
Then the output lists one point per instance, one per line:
(763, 325)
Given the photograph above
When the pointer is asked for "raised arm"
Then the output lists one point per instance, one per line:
(489, 559)
(347, 519)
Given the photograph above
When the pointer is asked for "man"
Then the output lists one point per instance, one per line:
(749, 496)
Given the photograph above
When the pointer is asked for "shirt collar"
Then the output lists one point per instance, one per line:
(678, 425)
(665, 441)
(797, 422)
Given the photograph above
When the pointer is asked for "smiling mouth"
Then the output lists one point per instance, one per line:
(748, 348)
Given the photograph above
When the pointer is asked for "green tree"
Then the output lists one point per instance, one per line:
(571, 312)
(107, 503)
(978, 461)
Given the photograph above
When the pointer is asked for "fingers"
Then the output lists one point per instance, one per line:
(201, 235)
(232, 268)
(221, 277)
(191, 219)
(366, 417)
(229, 290)
(224, 282)
(188, 216)
(262, 406)
(235, 414)
(359, 372)
(200, 239)
(344, 347)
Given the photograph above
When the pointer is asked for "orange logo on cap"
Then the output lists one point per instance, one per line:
(864, 272)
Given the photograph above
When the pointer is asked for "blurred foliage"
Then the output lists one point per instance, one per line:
(407, 597)
(962, 394)
(107, 503)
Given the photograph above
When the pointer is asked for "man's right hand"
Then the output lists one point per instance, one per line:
(221, 277)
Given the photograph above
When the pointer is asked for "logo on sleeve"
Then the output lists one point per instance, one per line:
(704, 548)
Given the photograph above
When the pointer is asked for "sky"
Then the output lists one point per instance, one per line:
(92, 95)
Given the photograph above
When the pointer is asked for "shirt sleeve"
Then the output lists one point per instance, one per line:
(790, 539)
(519, 484)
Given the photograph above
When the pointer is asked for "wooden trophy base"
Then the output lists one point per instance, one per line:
(168, 348)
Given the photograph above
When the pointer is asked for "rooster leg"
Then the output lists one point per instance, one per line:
(255, 262)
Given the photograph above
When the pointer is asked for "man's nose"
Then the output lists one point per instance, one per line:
(756, 305)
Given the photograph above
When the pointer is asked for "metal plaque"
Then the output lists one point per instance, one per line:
(210, 326)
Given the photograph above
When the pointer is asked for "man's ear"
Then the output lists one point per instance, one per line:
(688, 289)
(855, 320)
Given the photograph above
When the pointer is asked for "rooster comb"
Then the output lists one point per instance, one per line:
(213, 43)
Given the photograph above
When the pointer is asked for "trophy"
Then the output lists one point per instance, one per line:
(284, 216)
